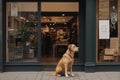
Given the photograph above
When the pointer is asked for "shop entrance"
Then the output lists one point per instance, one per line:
(59, 28)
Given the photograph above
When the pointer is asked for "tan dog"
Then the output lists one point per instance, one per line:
(66, 62)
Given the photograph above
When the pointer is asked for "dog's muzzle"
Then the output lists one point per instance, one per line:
(76, 49)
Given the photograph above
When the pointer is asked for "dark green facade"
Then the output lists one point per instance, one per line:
(1, 59)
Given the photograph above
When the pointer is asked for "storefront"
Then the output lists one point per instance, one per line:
(35, 34)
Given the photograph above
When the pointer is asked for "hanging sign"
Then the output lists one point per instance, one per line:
(104, 29)
(14, 9)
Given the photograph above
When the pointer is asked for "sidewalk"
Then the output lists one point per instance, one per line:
(43, 75)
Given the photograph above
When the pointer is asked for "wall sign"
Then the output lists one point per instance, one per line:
(14, 9)
(104, 29)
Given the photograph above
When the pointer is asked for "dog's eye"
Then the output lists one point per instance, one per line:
(73, 46)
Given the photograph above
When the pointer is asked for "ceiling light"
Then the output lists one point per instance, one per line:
(63, 14)
(27, 20)
(35, 24)
(21, 18)
(52, 28)
(65, 23)
(53, 23)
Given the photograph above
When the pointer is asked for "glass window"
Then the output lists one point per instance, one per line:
(21, 35)
(59, 27)
(108, 32)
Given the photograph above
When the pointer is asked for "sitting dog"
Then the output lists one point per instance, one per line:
(66, 62)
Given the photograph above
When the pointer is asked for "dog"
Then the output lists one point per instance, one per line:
(66, 62)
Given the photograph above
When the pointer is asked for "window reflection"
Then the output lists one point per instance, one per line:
(21, 32)
(59, 27)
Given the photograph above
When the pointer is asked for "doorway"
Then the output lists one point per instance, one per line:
(59, 28)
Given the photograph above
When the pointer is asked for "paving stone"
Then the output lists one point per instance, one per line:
(43, 75)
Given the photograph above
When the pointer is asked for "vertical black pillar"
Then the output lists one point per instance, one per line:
(1, 62)
(90, 52)
(82, 31)
(38, 30)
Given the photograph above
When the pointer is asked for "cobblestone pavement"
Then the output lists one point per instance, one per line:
(43, 75)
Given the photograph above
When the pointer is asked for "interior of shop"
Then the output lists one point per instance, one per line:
(59, 26)
(57, 31)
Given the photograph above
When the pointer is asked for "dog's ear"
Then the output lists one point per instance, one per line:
(69, 46)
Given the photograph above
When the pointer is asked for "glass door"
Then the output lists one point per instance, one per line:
(59, 28)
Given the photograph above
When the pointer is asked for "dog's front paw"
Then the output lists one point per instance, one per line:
(72, 75)
(66, 76)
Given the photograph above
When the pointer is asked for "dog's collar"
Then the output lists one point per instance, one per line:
(69, 55)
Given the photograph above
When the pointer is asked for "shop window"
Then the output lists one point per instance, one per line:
(21, 35)
(58, 24)
(108, 30)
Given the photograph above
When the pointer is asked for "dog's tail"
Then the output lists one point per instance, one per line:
(52, 74)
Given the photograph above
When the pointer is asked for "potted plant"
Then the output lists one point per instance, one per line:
(24, 34)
